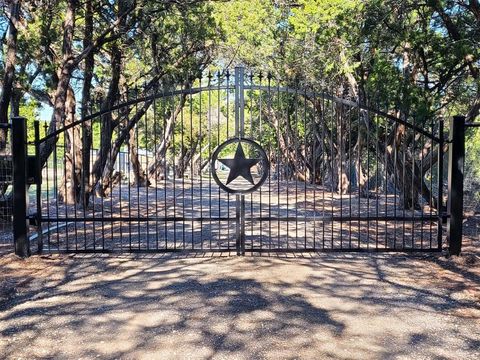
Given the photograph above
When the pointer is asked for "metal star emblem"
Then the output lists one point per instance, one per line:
(239, 166)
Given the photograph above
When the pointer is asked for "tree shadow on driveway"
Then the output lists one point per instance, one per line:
(328, 305)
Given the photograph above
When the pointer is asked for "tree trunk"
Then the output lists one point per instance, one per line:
(86, 105)
(69, 63)
(157, 168)
(64, 74)
(405, 173)
(107, 123)
(360, 147)
(124, 135)
(187, 158)
(140, 178)
(341, 156)
(69, 189)
(9, 76)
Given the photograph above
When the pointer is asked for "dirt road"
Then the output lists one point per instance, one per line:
(338, 306)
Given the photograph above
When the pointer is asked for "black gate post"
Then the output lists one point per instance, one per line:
(19, 159)
(456, 158)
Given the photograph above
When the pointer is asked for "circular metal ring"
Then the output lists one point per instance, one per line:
(263, 158)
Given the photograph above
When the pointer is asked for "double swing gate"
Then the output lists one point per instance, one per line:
(234, 162)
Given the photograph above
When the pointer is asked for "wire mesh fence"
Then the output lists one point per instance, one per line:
(6, 179)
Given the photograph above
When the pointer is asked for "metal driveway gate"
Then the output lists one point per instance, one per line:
(237, 162)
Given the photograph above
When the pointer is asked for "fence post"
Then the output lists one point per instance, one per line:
(456, 158)
(19, 159)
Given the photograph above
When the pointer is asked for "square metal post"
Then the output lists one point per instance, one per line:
(20, 197)
(456, 158)
(239, 132)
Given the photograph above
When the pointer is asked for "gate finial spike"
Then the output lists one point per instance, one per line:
(209, 76)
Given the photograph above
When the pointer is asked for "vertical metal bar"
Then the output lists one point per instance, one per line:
(395, 129)
(323, 120)
(262, 139)
(340, 130)
(456, 159)
(191, 166)
(137, 176)
(241, 98)
(129, 182)
(155, 147)
(404, 189)
(182, 153)
(305, 168)
(440, 185)
(36, 125)
(432, 131)
(270, 153)
(251, 136)
(174, 181)
(367, 116)
(227, 95)
(239, 132)
(314, 169)
(165, 164)
(359, 166)
(93, 224)
(20, 195)
(377, 187)
(65, 195)
(103, 124)
(84, 186)
(74, 183)
(242, 224)
(279, 102)
(386, 182)
(237, 222)
(145, 148)
(287, 162)
(55, 190)
(120, 189)
(112, 243)
(237, 101)
(295, 135)
(414, 196)
(350, 192)
(219, 242)
(47, 190)
(209, 87)
(332, 130)
(421, 176)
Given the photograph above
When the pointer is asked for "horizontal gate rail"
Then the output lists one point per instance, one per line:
(233, 250)
(252, 218)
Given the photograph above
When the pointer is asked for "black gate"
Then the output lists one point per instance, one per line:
(324, 173)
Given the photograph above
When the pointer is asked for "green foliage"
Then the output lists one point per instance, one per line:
(402, 55)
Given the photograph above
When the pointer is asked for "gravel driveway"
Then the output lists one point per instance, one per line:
(338, 306)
